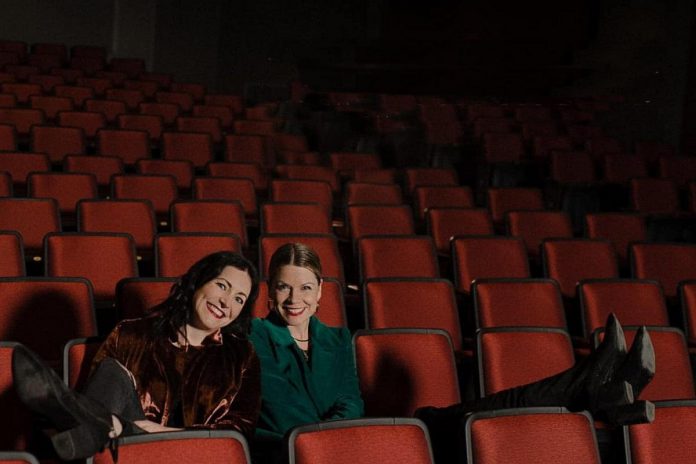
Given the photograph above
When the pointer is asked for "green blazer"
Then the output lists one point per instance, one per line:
(296, 392)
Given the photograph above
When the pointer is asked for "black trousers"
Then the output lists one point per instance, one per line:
(112, 386)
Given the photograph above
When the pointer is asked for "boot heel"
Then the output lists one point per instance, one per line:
(613, 394)
(80, 442)
(639, 412)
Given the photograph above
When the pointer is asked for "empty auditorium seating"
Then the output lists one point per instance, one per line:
(195, 147)
(445, 223)
(388, 360)
(223, 216)
(134, 217)
(179, 447)
(391, 440)
(667, 439)
(477, 257)
(396, 256)
(32, 218)
(668, 263)
(524, 435)
(83, 254)
(181, 170)
(412, 303)
(503, 200)
(289, 218)
(176, 252)
(429, 197)
(634, 301)
(129, 145)
(518, 302)
(509, 357)
(135, 296)
(12, 252)
(227, 188)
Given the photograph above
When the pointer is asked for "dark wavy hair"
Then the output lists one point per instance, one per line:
(174, 312)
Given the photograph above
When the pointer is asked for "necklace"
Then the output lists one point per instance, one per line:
(300, 339)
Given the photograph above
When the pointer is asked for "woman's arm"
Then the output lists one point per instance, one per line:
(243, 413)
(349, 403)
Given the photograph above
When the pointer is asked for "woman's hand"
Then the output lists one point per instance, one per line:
(153, 427)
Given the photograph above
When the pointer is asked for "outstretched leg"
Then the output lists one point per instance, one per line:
(605, 383)
(83, 426)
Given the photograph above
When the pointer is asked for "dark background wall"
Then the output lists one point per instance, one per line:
(637, 48)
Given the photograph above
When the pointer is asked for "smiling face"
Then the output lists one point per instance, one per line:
(219, 301)
(296, 293)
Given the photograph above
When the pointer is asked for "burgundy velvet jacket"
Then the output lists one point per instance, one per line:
(220, 386)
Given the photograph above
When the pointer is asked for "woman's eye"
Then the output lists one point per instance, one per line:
(306, 288)
(239, 300)
(221, 285)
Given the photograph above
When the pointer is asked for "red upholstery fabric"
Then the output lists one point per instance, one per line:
(12, 252)
(673, 378)
(51, 105)
(182, 170)
(668, 263)
(134, 217)
(8, 138)
(621, 168)
(175, 253)
(167, 111)
(525, 438)
(416, 177)
(66, 188)
(136, 296)
(301, 191)
(364, 193)
(317, 173)
(206, 125)
(179, 448)
(89, 121)
(77, 93)
(569, 261)
(223, 113)
(503, 147)
(395, 370)
(20, 164)
(397, 256)
(253, 171)
(619, 228)
(634, 302)
(159, 189)
(129, 145)
(668, 439)
(518, 303)
(483, 257)
(535, 226)
(245, 148)
(222, 188)
(102, 167)
(109, 108)
(131, 97)
(209, 216)
(293, 218)
(350, 161)
(150, 123)
(32, 218)
(15, 431)
(364, 220)
(44, 313)
(21, 118)
(182, 99)
(77, 358)
(388, 444)
(445, 223)
(195, 147)
(512, 357)
(84, 255)
(687, 291)
(442, 197)
(419, 303)
(502, 200)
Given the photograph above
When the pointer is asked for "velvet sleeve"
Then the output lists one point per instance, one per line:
(244, 410)
(349, 403)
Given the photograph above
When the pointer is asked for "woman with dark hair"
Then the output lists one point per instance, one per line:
(308, 371)
(188, 364)
(307, 368)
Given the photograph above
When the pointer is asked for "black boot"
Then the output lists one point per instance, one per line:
(586, 386)
(83, 426)
(638, 367)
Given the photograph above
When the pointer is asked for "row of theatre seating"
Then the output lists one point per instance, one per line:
(447, 277)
